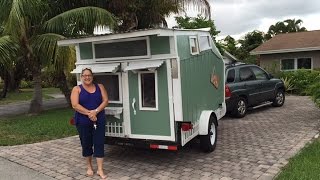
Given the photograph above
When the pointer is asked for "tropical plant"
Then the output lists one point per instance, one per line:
(288, 84)
(286, 26)
(36, 27)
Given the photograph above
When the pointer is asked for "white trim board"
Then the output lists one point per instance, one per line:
(285, 50)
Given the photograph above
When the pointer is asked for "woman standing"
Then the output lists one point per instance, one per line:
(89, 101)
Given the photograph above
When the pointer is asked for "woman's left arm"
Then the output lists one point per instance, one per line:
(105, 100)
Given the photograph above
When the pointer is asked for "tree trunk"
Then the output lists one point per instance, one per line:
(36, 102)
(13, 84)
(5, 86)
(63, 86)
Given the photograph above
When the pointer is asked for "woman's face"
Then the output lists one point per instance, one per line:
(87, 77)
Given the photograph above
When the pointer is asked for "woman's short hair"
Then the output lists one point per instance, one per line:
(89, 69)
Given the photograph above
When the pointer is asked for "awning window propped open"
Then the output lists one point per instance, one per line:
(97, 68)
(144, 65)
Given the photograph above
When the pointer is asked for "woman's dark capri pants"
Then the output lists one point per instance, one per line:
(91, 137)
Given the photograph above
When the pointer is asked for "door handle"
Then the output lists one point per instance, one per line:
(133, 106)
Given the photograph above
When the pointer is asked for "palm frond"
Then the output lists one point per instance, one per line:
(23, 13)
(202, 6)
(83, 19)
(8, 50)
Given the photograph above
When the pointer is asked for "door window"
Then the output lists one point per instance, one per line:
(231, 76)
(148, 92)
(246, 74)
(259, 73)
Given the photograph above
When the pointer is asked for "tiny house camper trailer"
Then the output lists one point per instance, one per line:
(165, 86)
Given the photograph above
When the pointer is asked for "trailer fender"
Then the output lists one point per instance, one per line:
(204, 122)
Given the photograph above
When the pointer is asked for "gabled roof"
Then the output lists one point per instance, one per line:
(290, 42)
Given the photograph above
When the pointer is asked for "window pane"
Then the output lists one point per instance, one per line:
(193, 44)
(148, 90)
(304, 63)
(246, 74)
(111, 84)
(287, 64)
(230, 76)
(121, 49)
(259, 73)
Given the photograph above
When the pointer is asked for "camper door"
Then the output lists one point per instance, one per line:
(148, 108)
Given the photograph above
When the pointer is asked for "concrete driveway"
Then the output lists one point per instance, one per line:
(255, 147)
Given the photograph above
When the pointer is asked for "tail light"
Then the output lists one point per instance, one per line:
(186, 126)
(227, 91)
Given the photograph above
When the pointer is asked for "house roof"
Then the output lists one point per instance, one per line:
(290, 42)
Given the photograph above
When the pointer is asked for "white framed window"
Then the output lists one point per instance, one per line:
(112, 84)
(148, 90)
(296, 63)
(194, 46)
(205, 42)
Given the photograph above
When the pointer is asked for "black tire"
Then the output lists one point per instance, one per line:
(279, 98)
(241, 108)
(208, 142)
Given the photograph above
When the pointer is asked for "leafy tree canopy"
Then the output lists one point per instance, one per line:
(286, 26)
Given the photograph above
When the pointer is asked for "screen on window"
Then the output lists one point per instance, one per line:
(148, 90)
(111, 84)
(287, 64)
(304, 63)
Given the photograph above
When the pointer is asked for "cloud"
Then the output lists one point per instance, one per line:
(234, 17)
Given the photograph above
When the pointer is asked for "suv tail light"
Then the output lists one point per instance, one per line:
(227, 91)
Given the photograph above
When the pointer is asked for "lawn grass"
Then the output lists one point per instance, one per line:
(25, 129)
(305, 165)
(26, 95)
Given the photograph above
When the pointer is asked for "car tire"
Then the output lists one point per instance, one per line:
(240, 109)
(208, 142)
(279, 98)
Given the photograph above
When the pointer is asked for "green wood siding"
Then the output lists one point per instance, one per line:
(150, 122)
(85, 51)
(159, 45)
(183, 47)
(198, 93)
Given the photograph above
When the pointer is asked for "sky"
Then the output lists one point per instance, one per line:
(238, 17)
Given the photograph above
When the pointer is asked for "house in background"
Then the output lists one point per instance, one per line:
(290, 51)
(229, 58)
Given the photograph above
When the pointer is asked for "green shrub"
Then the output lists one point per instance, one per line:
(301, 80)
(288, 84)
(314, 91)
(25, 84)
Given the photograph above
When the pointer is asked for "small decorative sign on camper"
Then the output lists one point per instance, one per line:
(214, 78)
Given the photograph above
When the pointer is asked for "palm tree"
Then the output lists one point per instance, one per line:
(293, 25)
(36, 27)
(8, 51)
(287, 26)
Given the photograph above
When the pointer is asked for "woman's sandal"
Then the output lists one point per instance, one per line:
(103, 176)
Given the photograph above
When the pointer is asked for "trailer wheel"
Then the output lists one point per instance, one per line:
(208, 142)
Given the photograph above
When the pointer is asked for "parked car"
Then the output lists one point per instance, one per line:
(250, 86)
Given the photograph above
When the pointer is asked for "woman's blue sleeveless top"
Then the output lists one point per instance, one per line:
(90, 101)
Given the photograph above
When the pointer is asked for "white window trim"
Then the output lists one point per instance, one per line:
(140, 91)
(210, 43)
(120, 85)
(122, 40)
(295, 63)
(197, 45)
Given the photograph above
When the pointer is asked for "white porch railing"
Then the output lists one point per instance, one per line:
(114, 129)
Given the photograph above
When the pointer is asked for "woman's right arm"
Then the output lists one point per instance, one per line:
(75, 101)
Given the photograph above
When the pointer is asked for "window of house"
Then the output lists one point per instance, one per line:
(194, 45)
(287, 64)
(148, 92)
(246, 74)
(259, 73)
(296, 63)
(304, 63)
(231, 76)
(204, 43)
(111, 83)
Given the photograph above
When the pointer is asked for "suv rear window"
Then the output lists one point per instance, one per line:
(231, 76)
(246, 74)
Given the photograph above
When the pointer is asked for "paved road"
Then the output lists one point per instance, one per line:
(23, 107)
(255, 147)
